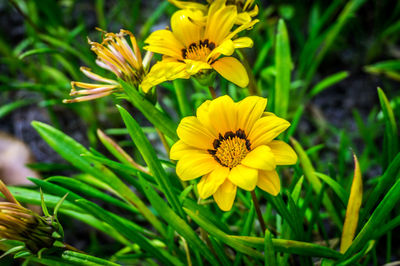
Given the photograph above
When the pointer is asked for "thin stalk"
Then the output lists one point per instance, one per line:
(258, 211)
(212, 91)
(69, 247)
(163, 140)
(187, 251)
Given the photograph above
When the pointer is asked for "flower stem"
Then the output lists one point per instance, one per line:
(257, 207)
(212, 91)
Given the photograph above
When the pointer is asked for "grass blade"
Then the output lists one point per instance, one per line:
(283, 65)
(390, 125)
(327, 82)
(150, 157)
(177, 222)
(316, 184)
(155, 116)
(353, 209)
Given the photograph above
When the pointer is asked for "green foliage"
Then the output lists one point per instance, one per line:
(125, 187)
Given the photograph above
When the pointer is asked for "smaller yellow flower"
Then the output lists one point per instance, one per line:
(116, 55)
(231, 145)
(245, 8)
(199, 44)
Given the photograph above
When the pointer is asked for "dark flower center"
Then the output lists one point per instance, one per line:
(198, 51)
(230, 149)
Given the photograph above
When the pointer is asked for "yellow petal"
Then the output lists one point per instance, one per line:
(242, 18)
(163, 71)
(231, 69)
(250, 109)
(193, 66)
(244, 177)
(353, 209)
(164, 42)
(183, 27)
(266, 129)
(180, 149)
(209, 184)
(241, 28)
(190, 130)
(226, 48)
(202, 114)
(223, 115)
(195, 164)
(189, 5)
(220, 22)
(260, 158)
(225, 195)
(283, 153)
(269, 182)
(243, 42)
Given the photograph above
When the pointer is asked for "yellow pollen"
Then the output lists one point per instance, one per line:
(198, 53)
(231, 151)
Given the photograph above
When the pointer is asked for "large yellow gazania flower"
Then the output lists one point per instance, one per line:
(244, 7)
(196, 44)
(116, 55)
(231, 145)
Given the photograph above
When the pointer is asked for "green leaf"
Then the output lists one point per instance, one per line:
(37, 51)
(125, 230)
(353, 209)
(12, 250)
(353, 260)
(280, 206)
(121, 168)
(43, 205)
(60, 191)
(207, 225)
(327, 82)
(99, 225)
(150, 157)
(283, 65)
(84, 259)
(181, 95)
(290, 246)
(8, 108)
(384, 182)
(71, 151)
(115, 149)
(390, 125)
(269, 253)
(377, 218)
(336, 187)
(177, 222)
(22, 254)
(155, 116)
(390, 68)
(309, 173)
(88, 191)
(25, 195)
(58, 205)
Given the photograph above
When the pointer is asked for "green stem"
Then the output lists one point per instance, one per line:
(212, 91)
(258, 211)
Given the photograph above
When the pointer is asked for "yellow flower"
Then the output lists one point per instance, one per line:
(231, 145)
(244, 8)
(195, 45)
(116, 55)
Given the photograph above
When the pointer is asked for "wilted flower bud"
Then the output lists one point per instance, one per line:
(116, 55)
(22, 224)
